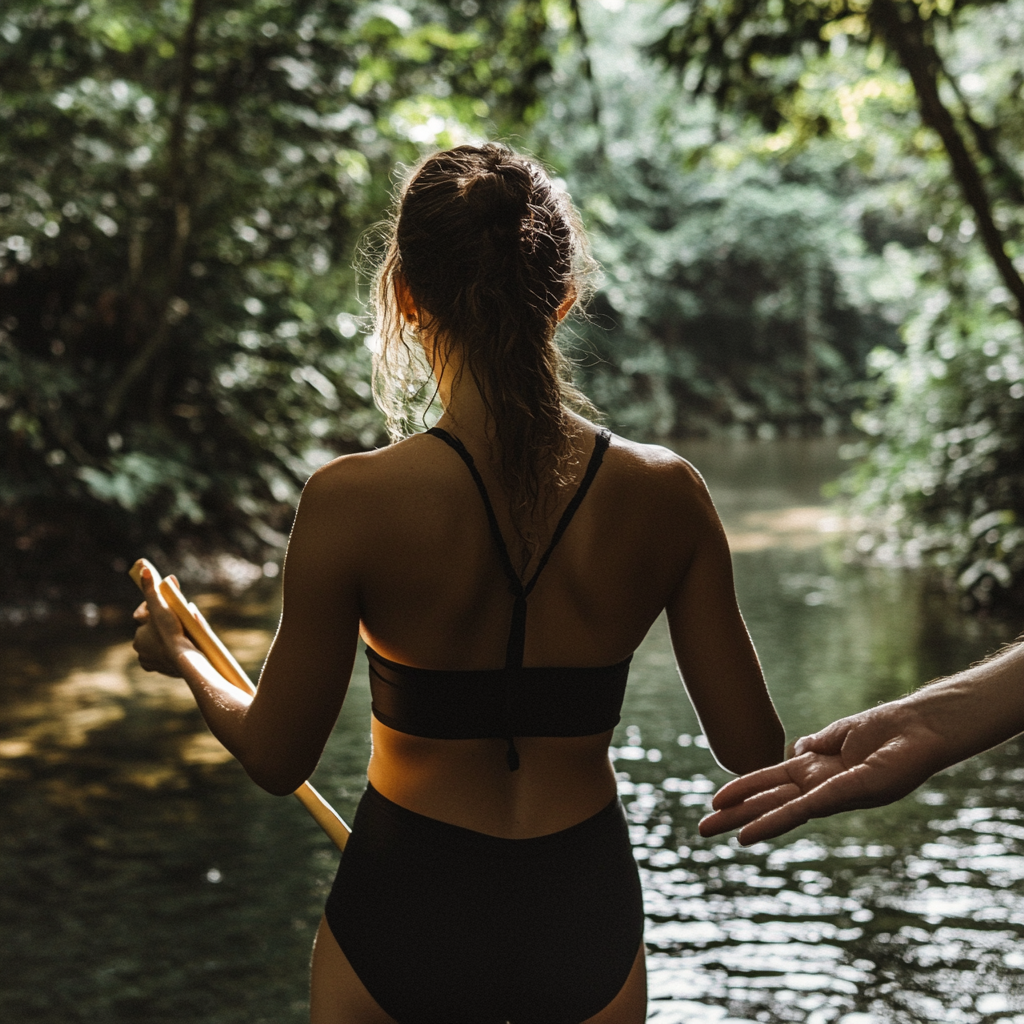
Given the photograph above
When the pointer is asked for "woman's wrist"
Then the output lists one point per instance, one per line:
(183, 656)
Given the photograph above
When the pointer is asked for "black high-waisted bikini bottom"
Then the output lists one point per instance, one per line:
(445, 925)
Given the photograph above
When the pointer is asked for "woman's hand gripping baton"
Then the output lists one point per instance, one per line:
(200, 633)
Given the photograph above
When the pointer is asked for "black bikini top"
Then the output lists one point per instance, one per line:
(510, 701)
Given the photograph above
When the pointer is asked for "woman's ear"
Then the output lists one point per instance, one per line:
(406, 303)
(567, 304)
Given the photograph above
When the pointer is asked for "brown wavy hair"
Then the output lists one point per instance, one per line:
(490, 249)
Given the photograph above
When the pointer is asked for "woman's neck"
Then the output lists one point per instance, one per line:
(465, 411)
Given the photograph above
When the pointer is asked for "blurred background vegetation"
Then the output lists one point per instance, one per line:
(809, 217)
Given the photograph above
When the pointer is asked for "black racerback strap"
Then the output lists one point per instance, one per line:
(520, 591)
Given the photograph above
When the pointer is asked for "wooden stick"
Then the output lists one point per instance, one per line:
(200, 633)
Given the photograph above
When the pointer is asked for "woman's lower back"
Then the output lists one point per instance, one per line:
(561, 780)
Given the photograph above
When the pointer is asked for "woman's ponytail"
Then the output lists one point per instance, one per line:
(490, 250)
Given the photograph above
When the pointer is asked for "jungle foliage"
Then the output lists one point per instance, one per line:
(739, 287)
(182, 187)
(806, 214)
(929, 93)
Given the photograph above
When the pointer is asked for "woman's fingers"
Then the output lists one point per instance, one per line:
(160, 637)
(149, 647)
(163, 618)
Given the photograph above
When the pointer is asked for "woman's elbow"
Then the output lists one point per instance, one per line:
(275, 777)
(277, 787)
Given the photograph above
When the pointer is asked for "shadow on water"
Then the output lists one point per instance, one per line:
(146, 879)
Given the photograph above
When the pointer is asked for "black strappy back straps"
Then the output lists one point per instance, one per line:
(492, 519)
(520, 591)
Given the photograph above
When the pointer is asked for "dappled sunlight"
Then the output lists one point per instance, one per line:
(814, 930)
(53, 721)
(247, 645)
(809, 219)
(204, 748)
(111, 773)
(61, 714)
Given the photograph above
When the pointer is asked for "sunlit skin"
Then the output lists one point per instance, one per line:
(392, 546)
(879, 755)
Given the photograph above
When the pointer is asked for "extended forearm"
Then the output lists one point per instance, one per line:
(978, 708)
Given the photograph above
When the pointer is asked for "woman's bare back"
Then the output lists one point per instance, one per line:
(432, 594)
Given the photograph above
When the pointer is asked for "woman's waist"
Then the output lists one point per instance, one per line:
(560, 782)
(402, 823)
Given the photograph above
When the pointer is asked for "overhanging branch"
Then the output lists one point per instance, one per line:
(920, 59)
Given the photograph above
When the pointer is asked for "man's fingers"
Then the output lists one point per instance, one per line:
(746, 786)
(737, 815)
(828, 798)
(769, 802)
(774, 823)
(843, 792)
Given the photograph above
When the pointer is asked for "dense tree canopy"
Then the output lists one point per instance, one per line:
(806, 213)
(751, 55)
(738, 285)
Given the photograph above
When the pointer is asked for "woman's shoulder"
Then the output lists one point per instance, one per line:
(651, 472)
(374, 468)
(375, 487)
(657, 469)
(351, 501)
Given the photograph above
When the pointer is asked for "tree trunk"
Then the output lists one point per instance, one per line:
(181, 210)
(588, 73)
(901, 26)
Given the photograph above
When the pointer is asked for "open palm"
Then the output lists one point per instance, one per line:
(866, 760)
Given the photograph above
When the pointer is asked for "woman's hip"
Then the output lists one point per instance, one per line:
(478, 924)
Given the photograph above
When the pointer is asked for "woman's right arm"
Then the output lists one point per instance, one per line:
(712, 646)
(279, 733)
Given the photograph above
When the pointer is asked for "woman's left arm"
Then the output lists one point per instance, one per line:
(279, 734)
(713, 649)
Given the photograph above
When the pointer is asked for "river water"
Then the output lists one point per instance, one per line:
(146, 880)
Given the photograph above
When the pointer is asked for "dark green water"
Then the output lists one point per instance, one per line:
(145, 879)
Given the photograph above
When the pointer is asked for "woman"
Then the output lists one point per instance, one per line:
(489, 876)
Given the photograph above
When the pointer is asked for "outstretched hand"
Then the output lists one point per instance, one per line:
(866, 760)
(159, 638)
